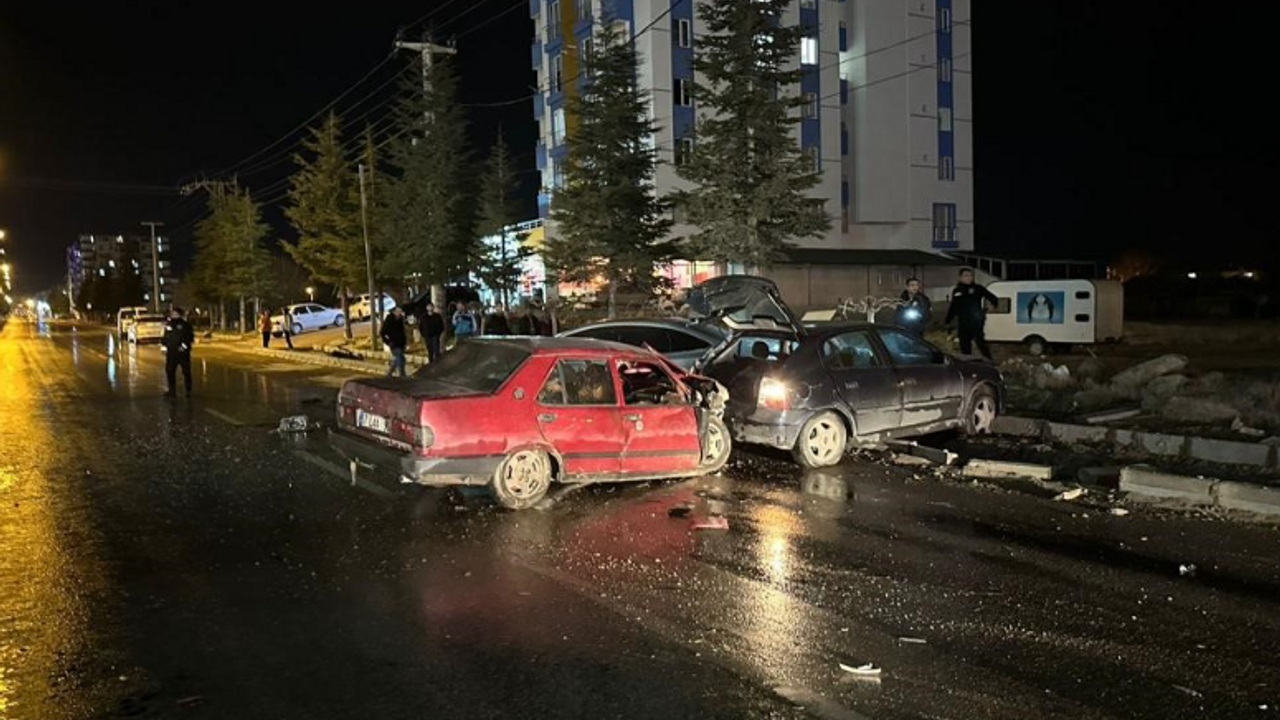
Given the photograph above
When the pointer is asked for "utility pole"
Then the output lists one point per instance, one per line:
(374, 309)
(155, 265)
(428, 50)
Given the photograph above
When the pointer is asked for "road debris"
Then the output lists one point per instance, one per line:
(715, 522)
(1116, 415)
(294, 424)
(1189, 691)
(1238, 425)
(1071, 494)
(190, 702)
(913, 641)
(1118, 511)
(997, 469)
(1187, 570)
(866, 671)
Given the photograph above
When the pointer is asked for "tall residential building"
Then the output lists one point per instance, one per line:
(115, 255)
(887, 120)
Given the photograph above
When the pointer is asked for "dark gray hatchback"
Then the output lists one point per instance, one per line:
(814, 390)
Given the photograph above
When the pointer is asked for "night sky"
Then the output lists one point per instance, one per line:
(1099, 125)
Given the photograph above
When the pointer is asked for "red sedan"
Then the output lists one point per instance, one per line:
(518, 414)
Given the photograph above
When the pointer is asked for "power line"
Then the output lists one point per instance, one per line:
(64, 185)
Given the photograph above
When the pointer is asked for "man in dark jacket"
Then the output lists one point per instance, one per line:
(393, 334)
(916, 309)
(431, 325)
(177, 341)
(969, 302)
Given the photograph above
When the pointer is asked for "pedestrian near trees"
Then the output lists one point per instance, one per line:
(969, 302)
(395, 337)
(264, 325)
(177, 341)
(431, 325)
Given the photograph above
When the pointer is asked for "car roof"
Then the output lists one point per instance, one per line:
(557, 346)
(681, 324)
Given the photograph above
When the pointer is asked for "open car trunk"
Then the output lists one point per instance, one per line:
(742, 304)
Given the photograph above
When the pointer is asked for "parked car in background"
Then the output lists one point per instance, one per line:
(124, 318)
(682, 341)
(146, 329)
(307, 317)
(364, 306)
(518, 414)
(816, 389)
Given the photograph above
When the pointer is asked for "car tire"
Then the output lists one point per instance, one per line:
(522, 480)
(1037, 346)
(339, 321)
(822, 441)
(716, 447)
(297, 329)
(980, 411)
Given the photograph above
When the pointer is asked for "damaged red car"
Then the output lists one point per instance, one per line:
(519, 414)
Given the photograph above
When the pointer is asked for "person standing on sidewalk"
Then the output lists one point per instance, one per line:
(431, 325)
(968, 307)
(464, 322)
(177, 341)
(393, 334)
(286, 326)
(264, 324)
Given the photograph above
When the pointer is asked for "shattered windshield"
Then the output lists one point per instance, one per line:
(477, 366)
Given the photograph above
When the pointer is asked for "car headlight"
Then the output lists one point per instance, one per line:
(774, 394)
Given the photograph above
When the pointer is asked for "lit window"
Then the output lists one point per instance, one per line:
(111, 263)
(809, 51)
(558, 126)
(810, 108)
(684, 92)
(684, 33)
(944, 120)
(102, 272)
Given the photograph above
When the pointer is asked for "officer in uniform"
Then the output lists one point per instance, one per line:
(177, 342)
(969, 307)
(914, 312)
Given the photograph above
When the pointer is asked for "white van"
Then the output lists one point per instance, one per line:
(1040, 313)
(125, 317)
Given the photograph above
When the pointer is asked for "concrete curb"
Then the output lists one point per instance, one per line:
(1144, 483)
(381, 355)
(1248, 498)
(1226, 452)
(314, 358)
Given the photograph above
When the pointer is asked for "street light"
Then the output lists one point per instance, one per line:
(311, 294)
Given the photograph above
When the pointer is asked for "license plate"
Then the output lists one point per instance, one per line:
(369, 421)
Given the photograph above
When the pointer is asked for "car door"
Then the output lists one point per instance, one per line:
(931, 385)
(301, 317)
(578, 414)
(865, 380)
(658, 420)
(318, 316)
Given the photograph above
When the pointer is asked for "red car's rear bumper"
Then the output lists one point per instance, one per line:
(438, 471)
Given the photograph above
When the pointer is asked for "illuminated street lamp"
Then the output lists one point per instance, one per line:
(311, 294)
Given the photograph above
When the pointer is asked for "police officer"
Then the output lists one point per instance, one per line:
(968, 307)
(916, 309)
(177, 342)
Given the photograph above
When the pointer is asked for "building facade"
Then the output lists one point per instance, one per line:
(117, 255)
(888, 117)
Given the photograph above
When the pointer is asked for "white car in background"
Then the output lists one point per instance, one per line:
(362, 307)
(146, 328)
(307, 317)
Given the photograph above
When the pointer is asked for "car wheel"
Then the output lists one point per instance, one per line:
(822, 441)
(297, 328)
(1037, 346)
(981, 411)
(716, 446)
(523, 479)
(339, 321)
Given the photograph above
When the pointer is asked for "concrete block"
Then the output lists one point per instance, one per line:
(1018, 426)
(1108, 476)
(1122, 438)
(1248, 498)
(1071, 434)
(1159, 443)
(1146, 483)
(997, 469)
(1230, 452)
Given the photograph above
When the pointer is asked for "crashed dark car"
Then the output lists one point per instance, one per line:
(815, 390)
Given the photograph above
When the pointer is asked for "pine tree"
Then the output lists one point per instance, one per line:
(231, 262)
(501, 263)
(608, 221)
(324, 207)
(750, 201)
(423, 226)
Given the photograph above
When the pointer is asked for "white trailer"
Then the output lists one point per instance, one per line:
(1040, 313)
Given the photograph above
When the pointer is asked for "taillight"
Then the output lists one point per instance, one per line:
(346, 413)
(418, 436)
(774, 394)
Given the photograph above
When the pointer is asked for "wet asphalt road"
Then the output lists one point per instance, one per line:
(175, 559)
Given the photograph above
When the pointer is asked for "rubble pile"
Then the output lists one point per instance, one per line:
(1161, 388)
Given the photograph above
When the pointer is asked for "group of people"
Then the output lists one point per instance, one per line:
(968, 307)
(286, 327)
(464, 322)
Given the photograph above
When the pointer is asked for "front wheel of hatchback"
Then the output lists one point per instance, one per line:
(522, 480)
(822, 441)
(980, 411)
(715, 447)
